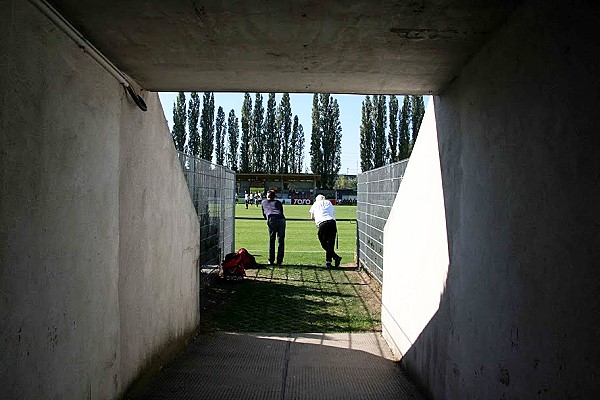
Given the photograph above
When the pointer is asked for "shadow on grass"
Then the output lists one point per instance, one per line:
(291, 298)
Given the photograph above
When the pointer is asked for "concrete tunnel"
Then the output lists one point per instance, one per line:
(491, 291)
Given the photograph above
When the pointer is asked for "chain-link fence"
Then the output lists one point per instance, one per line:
(377, 190)
(212, 188)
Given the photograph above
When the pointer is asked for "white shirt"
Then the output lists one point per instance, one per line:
(322, 211)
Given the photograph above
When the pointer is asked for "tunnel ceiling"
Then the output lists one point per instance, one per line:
(288, 45)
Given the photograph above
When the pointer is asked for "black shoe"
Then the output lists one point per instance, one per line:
(328, 265)
(338, 260)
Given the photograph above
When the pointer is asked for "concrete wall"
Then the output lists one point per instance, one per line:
(520, 166)
(415, 256)
(98, 237)
(159, 240)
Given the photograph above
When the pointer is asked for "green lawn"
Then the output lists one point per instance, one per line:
(301, 243)
(301, 295)
(295, 299)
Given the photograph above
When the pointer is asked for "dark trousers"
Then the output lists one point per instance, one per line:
(276, 228)
(327, 232)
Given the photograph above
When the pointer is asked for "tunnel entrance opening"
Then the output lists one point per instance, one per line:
(101, 240)
(301, 296)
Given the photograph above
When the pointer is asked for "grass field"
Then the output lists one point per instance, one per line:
(302, 246)
(294, 298)
(301, 295)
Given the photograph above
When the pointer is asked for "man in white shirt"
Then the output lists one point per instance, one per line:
(323, 213)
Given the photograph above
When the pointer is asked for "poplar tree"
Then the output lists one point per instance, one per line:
(245, 139)
(299, 149)
(325, 122)
(331, 129)
(221, 127)
(326, 139)
(286, 132)
(232, 141)
(404, 132)
(379, 142)
(278, 140)
(366, 136)
(316, 147)
(193, 114)
(293, 144)
(208, 127)
(418, 110)
(271, 136)
(258, 142)
(179, 120)
(296, 147)
(393, 132)
(337, 144)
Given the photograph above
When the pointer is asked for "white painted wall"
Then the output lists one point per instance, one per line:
(520, 160)
(98, 237)
(415, 259)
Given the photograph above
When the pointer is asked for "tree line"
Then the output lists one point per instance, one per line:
(270, 141)
(377, 148)
(264, 140)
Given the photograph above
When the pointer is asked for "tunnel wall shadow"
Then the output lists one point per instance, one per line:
(98, 236)
(520, 163)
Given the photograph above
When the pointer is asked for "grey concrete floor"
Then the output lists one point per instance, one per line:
(277, 366)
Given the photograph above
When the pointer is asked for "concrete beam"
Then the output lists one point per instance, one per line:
(357, 46)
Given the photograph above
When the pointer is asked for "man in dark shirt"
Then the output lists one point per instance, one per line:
(272, 210)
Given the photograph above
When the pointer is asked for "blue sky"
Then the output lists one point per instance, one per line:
(350, 116)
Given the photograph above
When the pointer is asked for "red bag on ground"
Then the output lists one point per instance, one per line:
(246, 258)
(234, 265)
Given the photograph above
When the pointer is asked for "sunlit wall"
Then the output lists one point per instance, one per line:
(415, 244)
